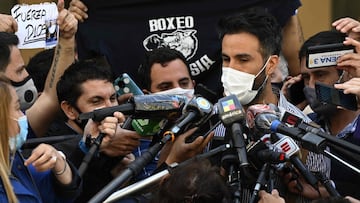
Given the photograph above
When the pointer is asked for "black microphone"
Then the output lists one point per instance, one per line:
(268, 121)
(271, 156)
(143, 106)
(197, 108)
(259, 153)
(333, 141)
(232, 116)
(197, 111)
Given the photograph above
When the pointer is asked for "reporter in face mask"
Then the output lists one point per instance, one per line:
(251, 42)
(12, 64)
(166, 71)
(335, 120)
(45, 176)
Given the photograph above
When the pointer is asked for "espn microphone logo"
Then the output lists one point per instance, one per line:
(287, 146)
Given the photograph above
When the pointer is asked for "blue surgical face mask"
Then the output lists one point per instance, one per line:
(18, 140)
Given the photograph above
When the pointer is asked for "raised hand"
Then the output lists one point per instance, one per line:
(67, 22)
(8, 23)
(79, 10)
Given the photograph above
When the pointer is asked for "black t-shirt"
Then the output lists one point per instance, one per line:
(124, 30)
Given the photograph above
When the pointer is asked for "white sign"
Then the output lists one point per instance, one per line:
(37, 26)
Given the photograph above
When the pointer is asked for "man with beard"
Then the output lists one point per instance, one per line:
(335, 120)
(251, 43)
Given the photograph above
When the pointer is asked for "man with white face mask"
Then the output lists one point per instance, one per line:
(251, 42)
(166, 71)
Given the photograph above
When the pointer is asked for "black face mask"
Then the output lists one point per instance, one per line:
(80, 123)
(318, 107)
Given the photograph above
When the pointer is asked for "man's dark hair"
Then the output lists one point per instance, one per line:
(331, 200)
(69, 86)
(258, 22)
(6, 41)
(160, 55)
(197, 181)
(39, 66)
(322, 38)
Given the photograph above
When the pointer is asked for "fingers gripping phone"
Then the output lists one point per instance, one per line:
(124, 84)
(331, 95)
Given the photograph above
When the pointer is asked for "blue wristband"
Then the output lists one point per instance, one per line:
(83, 147)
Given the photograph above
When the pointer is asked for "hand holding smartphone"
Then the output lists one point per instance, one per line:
(331, 95)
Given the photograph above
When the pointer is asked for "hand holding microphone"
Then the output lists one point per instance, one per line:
(180, 150)
(196, 112)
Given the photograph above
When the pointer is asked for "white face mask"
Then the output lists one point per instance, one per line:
(189, 93)
(241, 83)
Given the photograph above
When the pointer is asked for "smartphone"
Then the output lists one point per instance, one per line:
(326, 55)
(328, 94)
(296, 92)
(124, 84)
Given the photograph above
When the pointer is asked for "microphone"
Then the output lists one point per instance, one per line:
(332, 141)
(268, 121)
(197, 111)
(197, 108)
(257, 109)
(254, 111)
(259, 153)
(288, 145)
(143, 106)
(232, 116)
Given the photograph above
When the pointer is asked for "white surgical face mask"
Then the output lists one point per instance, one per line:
(189, 93)
(241, 83)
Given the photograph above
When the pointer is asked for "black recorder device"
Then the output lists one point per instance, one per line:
(320, 56)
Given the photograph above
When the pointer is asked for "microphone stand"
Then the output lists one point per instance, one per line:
(316, 143)
(260, 181)
(330, 139)
(328, 185)
(231, 163)
(95, 147)
(90, 154)
(134, 168)
(158, 176)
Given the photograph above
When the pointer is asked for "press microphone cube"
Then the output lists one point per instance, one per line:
(230, 110)
(287, 145)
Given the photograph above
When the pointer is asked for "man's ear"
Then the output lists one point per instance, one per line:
(194, 83)
(69, 110)
(272, 64)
